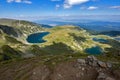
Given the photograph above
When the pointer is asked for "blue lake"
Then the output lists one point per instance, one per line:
(37, 37)
(94, 50)
(117, 39)
(100, 40)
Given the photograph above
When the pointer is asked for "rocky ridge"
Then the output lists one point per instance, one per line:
(89, 68)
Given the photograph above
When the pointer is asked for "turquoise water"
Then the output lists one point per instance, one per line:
(37, 37)
(94, 50)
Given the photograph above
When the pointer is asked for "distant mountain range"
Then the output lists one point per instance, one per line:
(111, 33)
(87, 24)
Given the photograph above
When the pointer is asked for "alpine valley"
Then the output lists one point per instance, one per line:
(32, 51)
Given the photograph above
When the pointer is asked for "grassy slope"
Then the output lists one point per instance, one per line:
(25, 27)
(62, 39)
(17, 43)
(76, 39)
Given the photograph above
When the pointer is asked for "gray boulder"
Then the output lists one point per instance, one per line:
(109, 78)
(92, 61)
(101, 76)
(109, 65)
(102, 64)
(81, 61)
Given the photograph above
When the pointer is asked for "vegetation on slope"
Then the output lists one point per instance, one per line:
(11, 31)
(8, 53)
(111, 33)
(25, 27)
(67, 41)
(75, 38)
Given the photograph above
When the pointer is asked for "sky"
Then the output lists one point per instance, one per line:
(42, 8)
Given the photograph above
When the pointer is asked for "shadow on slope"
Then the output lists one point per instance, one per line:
(58, 48)
(9, 53)
(11, 31)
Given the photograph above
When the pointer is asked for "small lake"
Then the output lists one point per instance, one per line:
(94, 50)
(100, 40)
(118, 39)
(37, 37)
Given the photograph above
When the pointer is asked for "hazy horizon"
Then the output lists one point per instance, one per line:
(70, 18)
(61, 9)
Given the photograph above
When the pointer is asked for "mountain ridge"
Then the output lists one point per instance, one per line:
(62, 55)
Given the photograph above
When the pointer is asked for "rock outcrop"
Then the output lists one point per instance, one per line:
(81, 69)
(94, 62)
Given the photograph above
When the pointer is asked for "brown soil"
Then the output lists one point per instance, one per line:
(69, 70)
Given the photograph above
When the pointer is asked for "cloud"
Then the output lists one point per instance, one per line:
(66, 6)
(20, 1)
(10, 1)
(70, 3)
(115, 7)
(27, 2)
(92, 8)
(57, 6)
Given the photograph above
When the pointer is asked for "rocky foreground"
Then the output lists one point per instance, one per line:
(89, 68)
